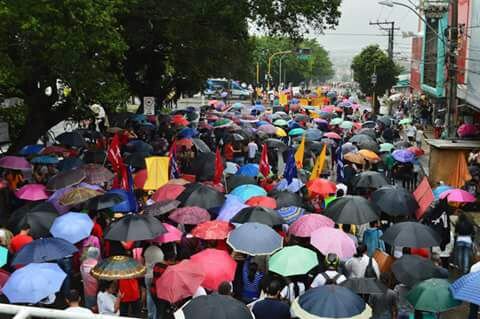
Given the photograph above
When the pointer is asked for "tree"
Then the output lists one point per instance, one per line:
(373, 60)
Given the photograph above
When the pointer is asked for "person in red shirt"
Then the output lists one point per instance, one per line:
(21, 239)
(131, 293)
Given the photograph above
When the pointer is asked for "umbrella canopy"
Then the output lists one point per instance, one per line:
(162, 207)
(201, 196)
(411, 234)
(97, 174)
(432, 295)
(307, 224)
(31, 149)
(292, 261)
(245, 192)
(296, 132)
(268, 128)
(173, 234)
(118, 267)
(313, 134)
(135, 227)
(466, 288)
(66, 179)
(458, 196)
(234, 181)
(214, 307)
(352, 210)
(262, 201)
(15, 162)
(440, 189)
(365, 286)
(368, 131)
(258, 215)
(230, 208)
(412, 269)
(71, 139)
(201, 146)
(104, 201)
(191, 215)
(287, 199)
(167, 192)
(70, 163)
(354, 158)
(330, 301)
(251, 170)
(321, 186)
(368, 145)
(369, 179)
(128, 204)
(336, 121)
(361, 138)
(20, 288)
(212, 230)
(72, 227)
(203, 167)
(395, 201)
(179, 281)
(254, 239)
(44, 250)
(77, 196)
(276, 143)
(330, 240)
(332, 135)
(369, 155)
(219, 266)
(386, 147)
(290, 214)
(137, 160)
(32, 192)
(39, 216)
(45, 160)
(403, 156)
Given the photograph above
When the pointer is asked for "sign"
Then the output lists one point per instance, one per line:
(4, 135)
(374, 78)
(283, 99)
(424, 196)
(149, 105)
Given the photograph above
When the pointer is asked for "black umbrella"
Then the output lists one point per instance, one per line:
(314, 146)
(286, 199)
(369, 132)
(39, 216)
(238, 180)
(365, 286)
(203, 167)
(95, 157)
(71, 139)
(135, 227)
(237, 137)
(258, 214)
(215, 306)
(402, 144)
(70, 163)
(369, 124)
(385, 120)
(104, 201)
(395, 201)
(410, 270)
(162, 207)
(44, 250)
(137, 160)
(66, 179)
(201, 146)
(202, 196)
(369, 179)
(352, 210)
(90, 134)
(276, 143)
(411, 234)
(368, 145)
(361, 138)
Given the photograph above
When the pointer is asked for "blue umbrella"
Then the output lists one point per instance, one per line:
(254, 239)
(45, 160)
(260, 123)
(129, 203)
(188, 132)
(466, 288)
(73, 227)
(248, 170)
(33, 283)
(313, 134)
(293, 187)
(293, 124)
(403, 156)
(259, 108)
(31, 149)
(43, 250)
(70, 163)
(230, 208)
(440, 189)
(245, 192)
(291, 213)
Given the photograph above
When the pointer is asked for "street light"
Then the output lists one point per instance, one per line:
(270, 64)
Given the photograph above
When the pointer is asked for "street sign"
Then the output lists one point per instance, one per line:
(4, 135)
(374, 79)
(149, 105)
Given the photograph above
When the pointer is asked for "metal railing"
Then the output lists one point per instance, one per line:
(25, 312)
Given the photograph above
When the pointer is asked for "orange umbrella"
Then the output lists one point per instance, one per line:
(262, 201)
(369, 155)
(321, 186)
(354, 158)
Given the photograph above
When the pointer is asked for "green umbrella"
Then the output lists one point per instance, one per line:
(296, 132)
(336, 121)
(347, 125)
(405, 121)
(280, 122)
(292, 261)
(432, 295)
(222, 123)
(328, 200)
(386, 147)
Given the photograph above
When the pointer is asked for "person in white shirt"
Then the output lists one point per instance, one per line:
(252, 151)
(419, 136)
(331, 276)
(358, 264)
(107, 302)
(73, 301)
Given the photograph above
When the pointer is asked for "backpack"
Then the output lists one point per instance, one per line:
(331, 281)
(370, 271)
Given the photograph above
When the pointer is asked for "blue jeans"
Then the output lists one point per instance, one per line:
(151, 307)
(463, 256)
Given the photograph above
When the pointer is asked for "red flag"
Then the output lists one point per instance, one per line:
(264, 167)
(115, 158)
(218, 167)
(424, 196)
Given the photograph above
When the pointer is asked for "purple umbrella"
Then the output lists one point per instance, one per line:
(268, 128)
(55, 200)
(230, 208)
(15, 162)
(403, 156)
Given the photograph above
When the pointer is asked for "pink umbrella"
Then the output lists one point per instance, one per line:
(219, 266)
(332, 135)
(328, 108)
(268, 128)
(467, 130)
(307, 224)
(168, 191)
(190, 215)
(458, 196)
(32, 192)
(15, 162)
(173, 234)
(331, 240)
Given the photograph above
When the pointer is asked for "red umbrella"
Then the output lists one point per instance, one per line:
(332, 135)
(307, 224)
(321, 186)
(219, 267)
(416, 150)
(212, 230)
(179, 120)
(190, 215)
(54, 150)
(140, 178)
(179, 281)
(168, 191)
(262, 201)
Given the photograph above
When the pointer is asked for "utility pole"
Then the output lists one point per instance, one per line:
(452, 69)
(391, 34)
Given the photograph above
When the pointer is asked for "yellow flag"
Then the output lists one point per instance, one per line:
(318, 168)
(299, 153)
(157, 172)
(282, 99)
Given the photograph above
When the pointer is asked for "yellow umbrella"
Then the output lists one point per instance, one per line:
(369, 155)
(280, 132)
(354, 158)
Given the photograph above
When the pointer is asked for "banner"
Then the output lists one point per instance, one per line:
(424, 196)
(157, 172)
(282, 99)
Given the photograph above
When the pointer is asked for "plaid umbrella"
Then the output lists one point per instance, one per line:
(191, 215)
(97, 174)
(77, 196)
(118, 267)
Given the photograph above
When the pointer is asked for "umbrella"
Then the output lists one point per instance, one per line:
(369, 132)
(296, 132)
(98, 157)
(201, 146)
(219, 267)
(466, 288)
(72, 227)
(403, 156)
(97, 174)
(332, 135)
(128, 204)
(231, 168)
(330, 301)
(330, 240)
(167, 192)
(287, 199)
(369, 155)
(254, 239)
(66, 179)
(411, 234)
(137, 159)
(262, 201)
(385, 120)
(45, 160)
(352, 210)
(190, 215)
(386, 147)
(162, 207)
(361, 138)
(245, 192)
(187, 132)
(276, 143)
(417, 151)
(336, 121)
(294, 186)
(139, 146)
(280, 122)
(258, 215)
(458, 196)
(248, 170)
(222, 123)
(30, 149)
(354, 158)
(369, 179)
(280, 132)
(346, 125)
(203, 167)
(118, 267)
(214, 306)
(70, 163)
(212, 230)
(135, 227)
(39, 216)
(313, 134)
(412, 269)
(3, 259)
(201, 196)
(234, 181)
(369, 145)
(47, 280)
(402, 144)
(43, 250)
(432, 295)
(292, 261)
(77, 196)
(179, 281)
(365, 286)
(349, 148)
(32, 192)
(55, 149)
(71, 139)
(104, 201)
(307, 224)
(230, 208)
(440, 189)
(15, 162)
(321, 186)
(173, 234)
(395, 201)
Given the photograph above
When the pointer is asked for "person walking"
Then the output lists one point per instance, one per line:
(361, 265)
